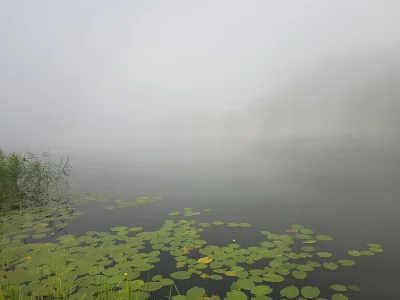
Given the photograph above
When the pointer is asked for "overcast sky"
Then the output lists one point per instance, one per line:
(95, 72)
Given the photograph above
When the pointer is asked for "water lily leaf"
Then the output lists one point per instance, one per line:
(297, 227)
(181, 275)
(38, 236)
(178, 297)
(195, 293)
(136, 284)
(246, 284)
(290, 292)
(310, 292)
(151, 286)
(339, 287)
(324, 254)
(374, 245)
(323, 238)
(346, 262)
(339, 297)
(354, 288)
(330, 266)
(299, 274)
(273, 278)
(204, 260)
(236, 295)
(216, 277)
(261, 290)
(217, 223)
(174, 213)
(120, 228)
(306, 231)
(109, 207)
(354, 253)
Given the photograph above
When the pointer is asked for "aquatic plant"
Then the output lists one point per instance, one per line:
(30, 176)
(119, 263)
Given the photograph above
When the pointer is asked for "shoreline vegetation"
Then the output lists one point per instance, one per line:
(31, 177)
(41, 259)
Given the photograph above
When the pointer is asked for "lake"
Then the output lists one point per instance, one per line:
(347, 189)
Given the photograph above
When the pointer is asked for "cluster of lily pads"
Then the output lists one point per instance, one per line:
(121, 261)
(118, 203)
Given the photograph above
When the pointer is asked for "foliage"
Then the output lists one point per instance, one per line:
(30, 176)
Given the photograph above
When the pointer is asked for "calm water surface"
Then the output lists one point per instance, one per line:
(346, 188)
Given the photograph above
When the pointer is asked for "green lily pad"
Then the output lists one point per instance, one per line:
(38, 236)
(323, 238)
(273, 278)
(330, 266)
(246, 284)
(261, 290)
(174, 213)
(354, 288)
(354, 253)
(290, 292)
(181, 275)
(236, 295)
(310, 292)
(339, 287)
(195, 293)
(346, 262)
(339, 297)
(324, 254)
(299, 274)
(109, 207)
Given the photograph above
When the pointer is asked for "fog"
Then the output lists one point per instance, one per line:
(122, 74)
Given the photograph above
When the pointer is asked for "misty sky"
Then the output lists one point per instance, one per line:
(104, 72)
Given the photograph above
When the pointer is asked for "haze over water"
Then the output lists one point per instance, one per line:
(274, 113)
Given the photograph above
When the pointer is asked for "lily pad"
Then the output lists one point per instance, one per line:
(299, 274)
(354, 253)
(339, 287)
(181, 275)
(310, 292)
(195, 293)
(246, 284)
(273, 278)
(236, 295)
(290, 292)
(261, 290)
(330, 266)
(324, 254)
(339, 297)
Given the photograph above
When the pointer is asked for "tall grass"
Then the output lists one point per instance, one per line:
(30, 176)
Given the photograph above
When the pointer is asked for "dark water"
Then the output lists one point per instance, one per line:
(346, 188)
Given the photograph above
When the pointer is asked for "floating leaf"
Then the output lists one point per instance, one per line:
(339, 287)
(204, 260)
(273, 278)
(109, 207)
(236, 295)
(339, 297)
(246, 284)
(354, 288)
(346, 262)
(195, 293)
(174, 213)
(38, 236)
(324, 254)
(323, 238)
(330, 266)
(181, 275)
(261, 290)
(299, 274)
(290, 292)
(354, 253)
(310, 292)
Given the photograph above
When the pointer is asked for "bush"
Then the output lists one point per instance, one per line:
(30, 176)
